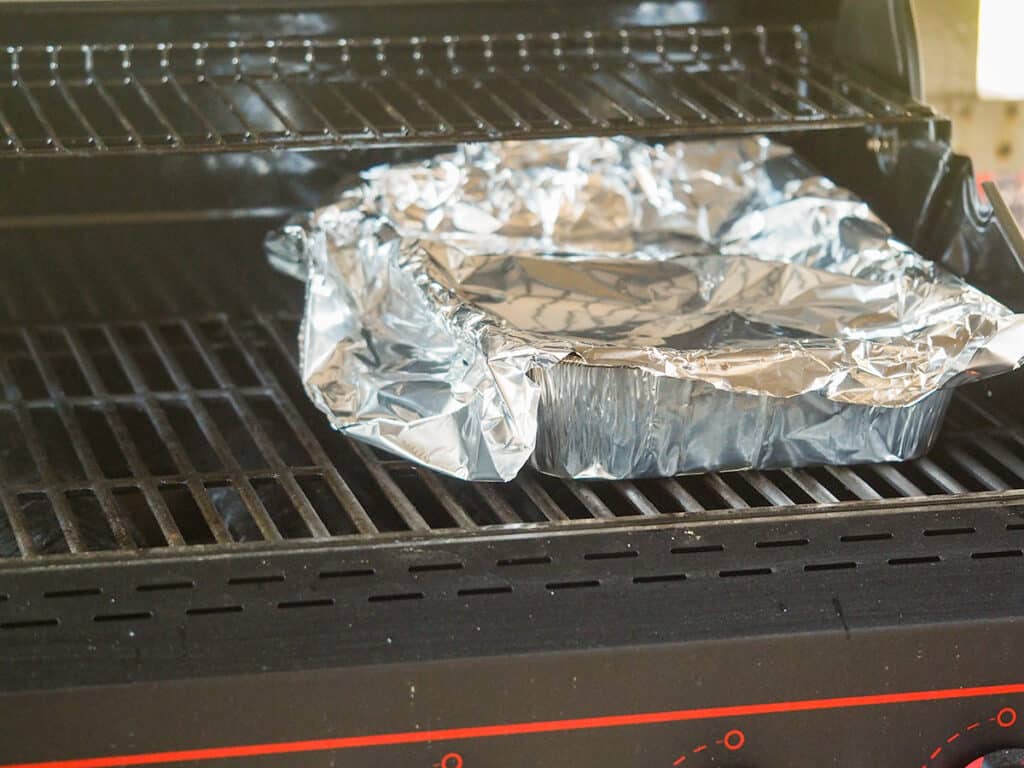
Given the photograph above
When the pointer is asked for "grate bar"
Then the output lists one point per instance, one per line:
(723, 489)
(442, 122)
(540, 497)
(165, 521)
(577, 102)
(160, 115)
(847, 82)
(555, 118)
(297, 94)
(250, 132)
(854, 482)
(286, 478)
(290, 127)
(74, 428)
(988, 478)
(810, 485)
(681, 496)
(776, 109)
(51, 135)
(1000, 453)
(481, 122)
(589, 499)
(760, 483)
(13, 141)
(939, 476)
(407, 128)
(353, 508)
(518, 121)
(93, 138)
(58, 502)
(636, 497)
(897, 480)
(836, 94)
(502, 509)
(216, 440)
(451, 506)
(368, 125)
(134, 136)
(405, 508)
(212, 134)
(22, 536)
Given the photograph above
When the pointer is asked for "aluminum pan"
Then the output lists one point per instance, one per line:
(463, 310)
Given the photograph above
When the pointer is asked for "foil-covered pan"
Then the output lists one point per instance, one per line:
(615, 309)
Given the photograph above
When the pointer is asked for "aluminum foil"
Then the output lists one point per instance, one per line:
(617, 309)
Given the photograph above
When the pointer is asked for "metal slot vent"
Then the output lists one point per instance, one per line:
(201, 96)
(150, 401)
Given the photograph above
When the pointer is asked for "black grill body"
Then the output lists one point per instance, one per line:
(196, 570)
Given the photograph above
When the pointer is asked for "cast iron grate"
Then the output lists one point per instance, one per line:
(206, 96)
(150, 400)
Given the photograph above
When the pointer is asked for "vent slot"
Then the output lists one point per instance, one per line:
(394, 598)
(728, 574)
(112, 617)
(213, 610)
(559, 585)
(659, 578)
(922, 560)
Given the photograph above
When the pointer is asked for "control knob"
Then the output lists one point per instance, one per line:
(1004, 758)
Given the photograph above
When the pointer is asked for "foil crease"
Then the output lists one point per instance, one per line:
(615, 309)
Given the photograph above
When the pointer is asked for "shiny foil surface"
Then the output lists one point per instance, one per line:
(616, 309)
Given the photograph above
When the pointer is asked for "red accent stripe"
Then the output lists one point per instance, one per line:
(519, 729)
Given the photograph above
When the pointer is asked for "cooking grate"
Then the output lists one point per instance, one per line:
(220, 95)
(150, 400)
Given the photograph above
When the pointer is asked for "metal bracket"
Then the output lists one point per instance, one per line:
(884, 142)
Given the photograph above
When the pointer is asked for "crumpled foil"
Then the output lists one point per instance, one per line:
(616, 309)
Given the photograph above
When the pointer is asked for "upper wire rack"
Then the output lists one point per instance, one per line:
(319, 93)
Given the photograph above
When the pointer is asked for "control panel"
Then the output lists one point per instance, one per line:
(978, 727)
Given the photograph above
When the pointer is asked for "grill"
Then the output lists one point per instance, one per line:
(194, 566)
(208, 96)
(152, 401)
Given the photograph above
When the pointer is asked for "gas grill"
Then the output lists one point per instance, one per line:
(195, 569)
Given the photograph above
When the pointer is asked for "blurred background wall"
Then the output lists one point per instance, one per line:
(991, 130)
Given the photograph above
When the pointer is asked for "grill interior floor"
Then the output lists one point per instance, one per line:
(150, 399)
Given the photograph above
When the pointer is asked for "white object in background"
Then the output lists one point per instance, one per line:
(1000, 50)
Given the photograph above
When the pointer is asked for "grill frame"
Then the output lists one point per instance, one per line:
(212, 646)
